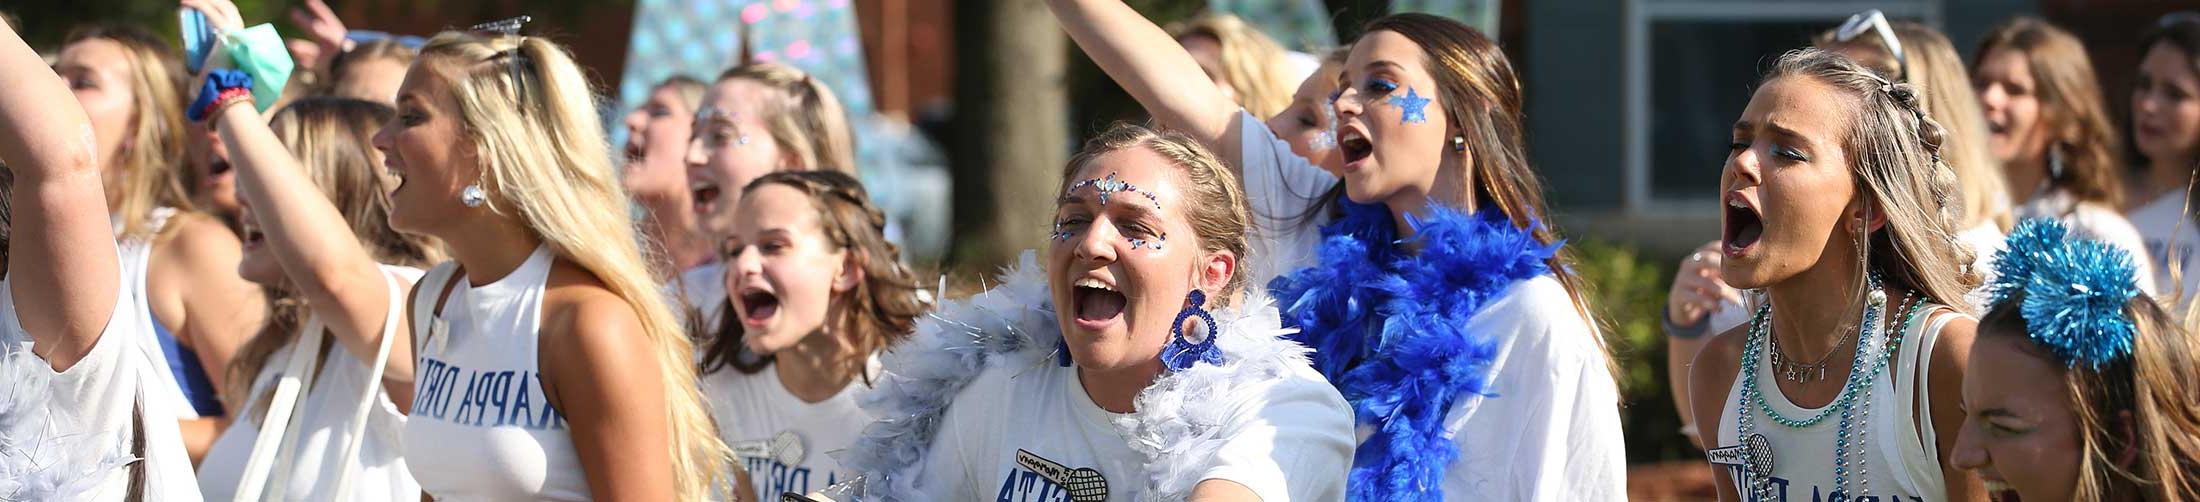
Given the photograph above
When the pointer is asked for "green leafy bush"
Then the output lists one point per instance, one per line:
(1627, 290)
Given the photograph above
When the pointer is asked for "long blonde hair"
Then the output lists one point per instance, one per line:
(1253, 64)
(1936, 69)
(2156, 384)
(331, 137)
(150, 164)
(805, 119)
(527, 109)
(1893, 149)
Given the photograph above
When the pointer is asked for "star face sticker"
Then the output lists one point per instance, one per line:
(1414, 106)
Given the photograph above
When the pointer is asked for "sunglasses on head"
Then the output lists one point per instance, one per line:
(1873, 21)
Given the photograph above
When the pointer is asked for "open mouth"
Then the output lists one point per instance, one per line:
(253, 238)
(2001, 492)
(1743, 225)
(1354, 146)
(705, 194)
(758, 306)
(218, 168)
(633, 153)
(1097, 302)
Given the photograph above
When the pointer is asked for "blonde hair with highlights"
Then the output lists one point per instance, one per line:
(1949, 99)
(330, 138)
(544, 152)
(1893, 152)
(804, 119)
(2155, 384)
(1253, 64)
(1214, 203)
(150, 165)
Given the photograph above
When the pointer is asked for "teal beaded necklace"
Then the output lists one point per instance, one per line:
(1873, 353)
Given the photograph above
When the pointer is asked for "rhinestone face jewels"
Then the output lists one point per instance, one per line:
(1105, 188)
(703, 118)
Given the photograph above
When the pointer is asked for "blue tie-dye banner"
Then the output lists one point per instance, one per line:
(702, 38)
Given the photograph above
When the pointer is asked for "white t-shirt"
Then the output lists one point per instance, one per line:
(2170, 237)
(1552, 432)
(756, 410)
(704, 289)
(1281, 186)
(1006, 433)
(323, 429)
(2096, 222)
(95, 400)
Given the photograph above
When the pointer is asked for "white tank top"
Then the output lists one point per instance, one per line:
(323, 428)
(1901, 460)
(137, 260)
(481, 427)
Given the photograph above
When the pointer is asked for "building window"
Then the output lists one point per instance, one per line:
(1691, 66)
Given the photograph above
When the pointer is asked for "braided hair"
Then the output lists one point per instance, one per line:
(1894, 149)
(881, 309)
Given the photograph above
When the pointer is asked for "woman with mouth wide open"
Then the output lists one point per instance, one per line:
(1488, 378)
(2049, 126)
(548, 306)
(1130, 364)
(1846, 378)
(757, 118)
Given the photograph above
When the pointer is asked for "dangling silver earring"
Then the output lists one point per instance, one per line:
(473, 196)
(2054, 162)
(1459, 144)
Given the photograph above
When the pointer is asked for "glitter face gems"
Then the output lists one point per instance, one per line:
(733, 120)
(1414, 106)
(1327, 139)
(1104, 188)
(1110, 186)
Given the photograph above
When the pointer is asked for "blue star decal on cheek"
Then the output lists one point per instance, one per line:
(1414, 106)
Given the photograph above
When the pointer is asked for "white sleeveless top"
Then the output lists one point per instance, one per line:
(1901, 458)
(323, 428)
(137, 260)
(481, 427)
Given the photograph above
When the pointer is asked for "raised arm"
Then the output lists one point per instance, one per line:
(323, 259)
(61, 258)
(1157, 71)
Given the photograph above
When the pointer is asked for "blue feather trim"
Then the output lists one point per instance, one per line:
(1389, 329)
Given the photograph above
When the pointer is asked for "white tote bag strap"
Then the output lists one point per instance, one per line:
(282, 407)
(350, 457)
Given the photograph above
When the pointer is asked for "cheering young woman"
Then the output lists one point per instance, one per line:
(549, 366)
(1846, 379)
(1441, 305)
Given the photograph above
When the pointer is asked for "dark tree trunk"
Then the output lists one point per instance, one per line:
(1011, 128)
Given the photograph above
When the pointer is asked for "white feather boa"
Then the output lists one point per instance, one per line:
(1176, 427)
(39, 459)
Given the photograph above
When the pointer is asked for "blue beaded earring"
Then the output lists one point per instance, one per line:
(1181, 352)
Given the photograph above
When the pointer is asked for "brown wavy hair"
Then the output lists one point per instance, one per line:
(2071, 107)
(880, 310)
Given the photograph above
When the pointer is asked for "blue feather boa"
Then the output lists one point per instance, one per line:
(1389, 329)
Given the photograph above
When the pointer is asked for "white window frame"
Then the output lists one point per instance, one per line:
(1637, 197)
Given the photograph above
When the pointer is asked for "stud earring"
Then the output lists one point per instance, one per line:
(473, 196)
(1459, 144)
